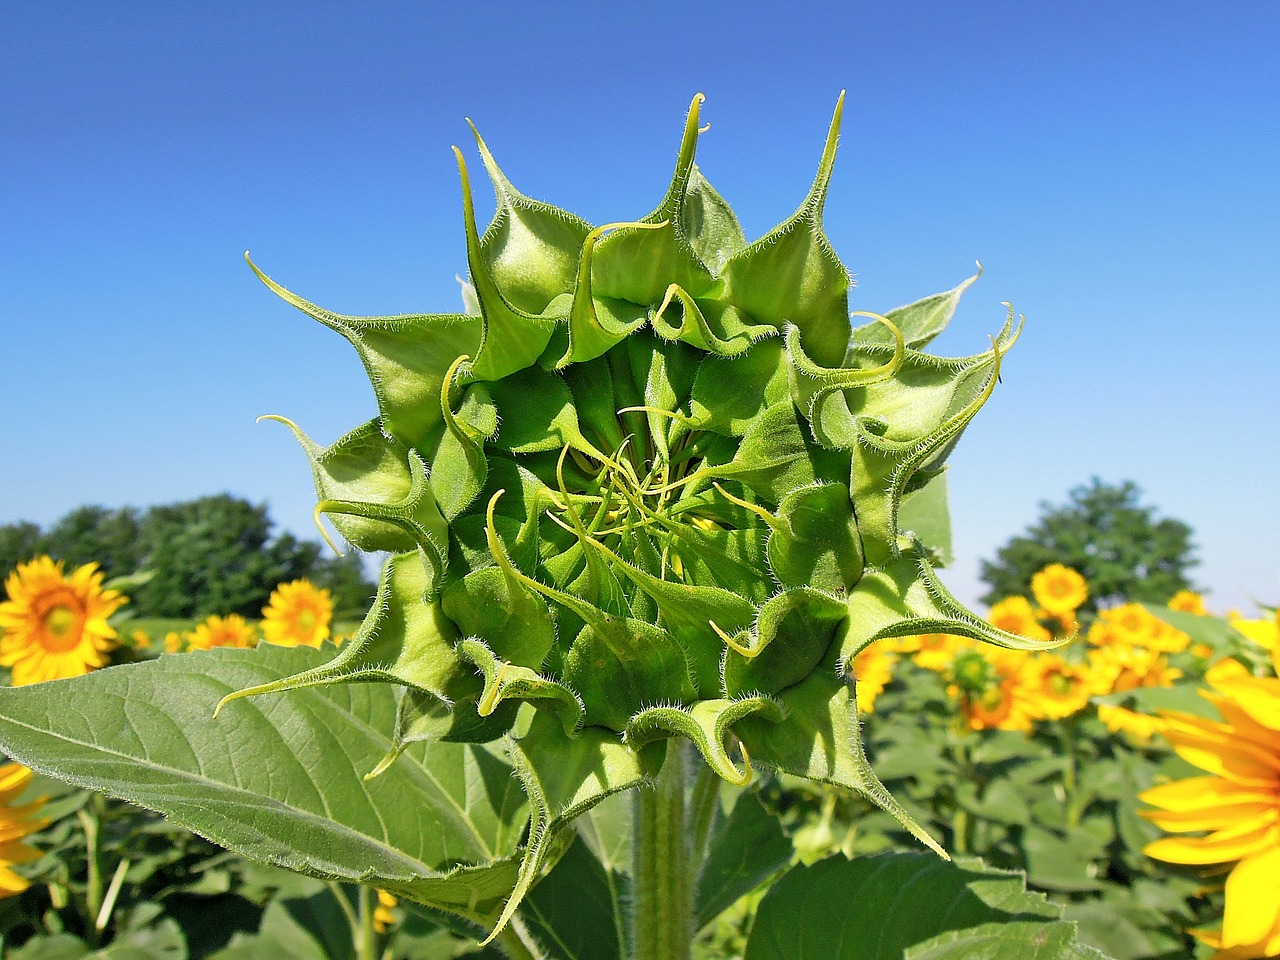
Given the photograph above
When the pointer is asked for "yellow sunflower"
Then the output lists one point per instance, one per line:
(1235, 810)
(1141, 727)
(297, 614)
(1116, 669)
(15, 824)
(1188, 601)
(1265, 633)
(229, 631)
(992, 690)
(932, 651)
(1059, 590)
(53, 625)
(1062, 689)
(1015, 615)
(872, 671)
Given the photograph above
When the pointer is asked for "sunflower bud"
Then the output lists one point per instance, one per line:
(649, 488)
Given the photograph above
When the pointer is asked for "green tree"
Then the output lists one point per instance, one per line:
(19, 542)
(214, 554)
(94, 534)
(1119, 545)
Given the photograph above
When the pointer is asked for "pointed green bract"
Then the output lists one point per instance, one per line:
(649, 486)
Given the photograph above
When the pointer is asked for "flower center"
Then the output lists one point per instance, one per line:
(62, 628)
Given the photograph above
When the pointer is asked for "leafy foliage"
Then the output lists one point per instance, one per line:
(909, 906)
(1119, 545)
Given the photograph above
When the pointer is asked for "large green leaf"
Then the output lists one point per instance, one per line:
(747, 847)
(281, 778)
(908, 906)
(574, 910)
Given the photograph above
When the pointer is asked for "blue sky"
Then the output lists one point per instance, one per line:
(1115, 166)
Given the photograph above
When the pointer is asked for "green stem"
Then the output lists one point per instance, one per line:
(961, 823)
(1070, 779)
(90, 817)
(367, 935)
(960, 831)
(662, 897)
(703, 800)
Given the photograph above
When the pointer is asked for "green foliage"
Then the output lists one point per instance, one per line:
(1120, 546)
(646, 505)
(909, 906)
(215, 554)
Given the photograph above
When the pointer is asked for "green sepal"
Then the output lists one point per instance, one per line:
(504, 681)
(537, 414)
(728, 396)
(502, 611)
(816, 539)
(458, 464)
(919, 322)
(819, 392)
(638, 266)
(820, 740)
(498, 605)
(366, 466)
(892, 447)
(425, 718)
(776, 457)
(405, 356)
(717, 328)
(564, 777)
(530, 249)
(710, 223)
(905, 598)
(790, 637)
(593, 399)
(792, 275)
(664, 373)
(687, 613)
(733, 560)
(596, 323)
(511, 339)
(620, 666)
(402, 640)
(707, 725)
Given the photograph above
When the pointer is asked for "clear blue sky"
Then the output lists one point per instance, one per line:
(1114, 165)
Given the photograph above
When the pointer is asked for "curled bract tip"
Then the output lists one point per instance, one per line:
(316, 514)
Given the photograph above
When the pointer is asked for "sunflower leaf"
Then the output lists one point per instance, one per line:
(971, 910)
(280, 778)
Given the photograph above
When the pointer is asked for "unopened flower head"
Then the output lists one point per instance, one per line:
(653, 484)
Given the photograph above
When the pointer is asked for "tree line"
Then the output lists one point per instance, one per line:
(214, 554)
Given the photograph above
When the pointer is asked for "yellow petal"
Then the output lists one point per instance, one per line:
(1216, 818)
(1201, 793)
(1253, 900)
(1216, 748)
(1222, 846)
(1259, 697)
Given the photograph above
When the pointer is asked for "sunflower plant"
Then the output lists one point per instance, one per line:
(645, 504)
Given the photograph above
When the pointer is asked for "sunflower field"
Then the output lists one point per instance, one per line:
(1131, 775)
(659, 666)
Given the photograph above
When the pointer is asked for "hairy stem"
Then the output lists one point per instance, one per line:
(662, 899)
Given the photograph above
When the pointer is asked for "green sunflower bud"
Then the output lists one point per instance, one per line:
(652, 488)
